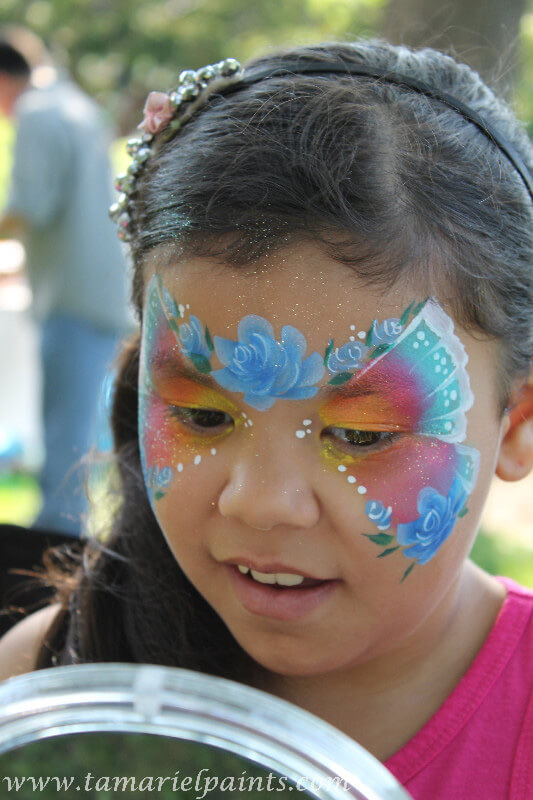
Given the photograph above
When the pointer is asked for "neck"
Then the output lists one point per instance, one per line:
(382, 703)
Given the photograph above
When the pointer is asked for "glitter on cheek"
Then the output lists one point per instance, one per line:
(396, 474)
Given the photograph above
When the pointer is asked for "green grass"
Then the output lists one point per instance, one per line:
(6, 147)
(20, 498)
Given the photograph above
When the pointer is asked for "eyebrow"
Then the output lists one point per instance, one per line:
(168, 366)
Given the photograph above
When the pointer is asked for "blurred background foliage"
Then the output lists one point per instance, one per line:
(118, 51)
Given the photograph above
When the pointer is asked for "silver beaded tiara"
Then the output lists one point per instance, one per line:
(164, 115)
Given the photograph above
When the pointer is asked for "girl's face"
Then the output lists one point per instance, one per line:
(295, 422)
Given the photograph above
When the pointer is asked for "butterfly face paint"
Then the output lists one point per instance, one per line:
(404, 378)
(417, 390)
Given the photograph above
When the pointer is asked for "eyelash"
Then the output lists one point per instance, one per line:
(380, 440)
(187, 417)
(192, 418)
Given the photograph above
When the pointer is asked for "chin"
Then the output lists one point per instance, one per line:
(291, 660)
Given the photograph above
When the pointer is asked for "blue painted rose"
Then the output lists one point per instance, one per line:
(386, 332)
(349, 356)
(264, 369)
(425, 535)
(192, 338)
(378, 514)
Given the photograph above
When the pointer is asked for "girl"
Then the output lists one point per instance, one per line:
(332, 258)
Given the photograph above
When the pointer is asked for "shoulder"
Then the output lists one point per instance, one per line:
(20, 646)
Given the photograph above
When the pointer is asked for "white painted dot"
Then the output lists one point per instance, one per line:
(438, 368)
(250, 423)
(453, 394)
(213, 451)
(306, 422)
(446, 403)
(351, 479)
(421, 335)
(180, 467)
(443, 361)
(352, 338)
(361, 489)
(181, 309)
(341, 468)
(197, 459)
(444, 371)
(446, 393)
(187, 306)
(352, 327)
(448, 426)
(436, 356)
(416, 345)
(426, 343)
(300, 434)
(244, 415)
(362, 334)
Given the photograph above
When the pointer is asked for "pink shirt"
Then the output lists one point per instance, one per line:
(479, 744)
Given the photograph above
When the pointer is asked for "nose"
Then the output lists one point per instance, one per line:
(263, 492)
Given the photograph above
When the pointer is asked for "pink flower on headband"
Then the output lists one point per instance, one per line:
(158, 112)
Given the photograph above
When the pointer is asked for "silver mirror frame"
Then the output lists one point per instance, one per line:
(179, 703)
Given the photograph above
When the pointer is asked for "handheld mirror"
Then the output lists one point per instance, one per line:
(110, 728)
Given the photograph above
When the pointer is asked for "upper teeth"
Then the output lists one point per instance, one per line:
(283, 578)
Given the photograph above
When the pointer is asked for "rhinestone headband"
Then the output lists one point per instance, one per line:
(165, 114)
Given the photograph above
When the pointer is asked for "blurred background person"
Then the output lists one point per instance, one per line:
(60, 191)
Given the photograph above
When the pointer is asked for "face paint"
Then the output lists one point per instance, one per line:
(301, 433)
(404, 377)
(257, 365)
(418, 386)
(169, 401)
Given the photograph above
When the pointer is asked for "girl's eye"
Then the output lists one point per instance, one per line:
(356, 439)
(202, 419)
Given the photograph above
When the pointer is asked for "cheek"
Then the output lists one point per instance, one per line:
(396, 479)
(396, 476)
(163, 440)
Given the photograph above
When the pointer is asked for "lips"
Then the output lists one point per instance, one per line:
(278, 602)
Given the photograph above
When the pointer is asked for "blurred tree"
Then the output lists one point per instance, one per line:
(141, 44)
(118, 51)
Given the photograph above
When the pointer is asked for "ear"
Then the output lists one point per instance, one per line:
(515, 460)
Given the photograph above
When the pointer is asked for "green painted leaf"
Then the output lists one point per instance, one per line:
(419, 307)
(208, 339)
(407, 572)
(327, 353)
(200, 362)
(173, 324)
(405, 315)
(342, 377)
(463, 512)
(159, 495)
(175, 310)
(380, 349)
(369, 335)
(388, 551)
(379, 538)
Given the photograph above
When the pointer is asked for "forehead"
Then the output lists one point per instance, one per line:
(299, 286)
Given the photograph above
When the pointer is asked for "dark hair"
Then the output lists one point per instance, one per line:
(12, 62)
(395, 184)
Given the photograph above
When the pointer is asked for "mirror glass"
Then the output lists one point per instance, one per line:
(124, 730)
(97, 765)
